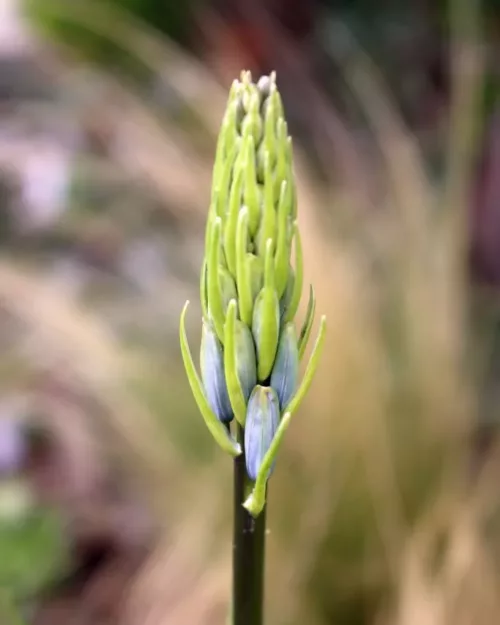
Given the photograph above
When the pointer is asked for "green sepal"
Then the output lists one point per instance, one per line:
(227, 287)
(225, 135)
(266, 321)
(268, 223)
(252, 122)
(242, 278)
(308, 322)
(224, 179)
(298, 277)
(256, 273)
(215, 304)
(282, 167)
(270, 132)
(231, 224)
(282, 256)
(277, 103)
(217, 429)
(291, 176)
(235, 392)
(251, 192)
(286, 298)
(203, 290)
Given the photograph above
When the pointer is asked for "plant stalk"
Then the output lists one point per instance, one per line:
(248, 551)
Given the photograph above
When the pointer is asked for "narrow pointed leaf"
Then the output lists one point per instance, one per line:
(312, 365)
(215, 305)
(242, 278)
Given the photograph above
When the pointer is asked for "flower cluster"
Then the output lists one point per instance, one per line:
(250, 293)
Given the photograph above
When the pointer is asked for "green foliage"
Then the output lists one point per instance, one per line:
(32, 553)
(74, 27)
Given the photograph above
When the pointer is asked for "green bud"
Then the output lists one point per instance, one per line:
(235, 200)
(266, 321)
(246, 365)
(256, 274)
(267, 229)
(251, 190)
(265, 330)
(227, 287)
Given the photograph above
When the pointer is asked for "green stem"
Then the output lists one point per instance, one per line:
(248, 551)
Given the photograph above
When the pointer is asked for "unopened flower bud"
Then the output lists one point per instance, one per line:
(265, 330)
(250, 286)
(285, 373)
(212, 374)
(227, 287)
(256, 274)
(262, 421)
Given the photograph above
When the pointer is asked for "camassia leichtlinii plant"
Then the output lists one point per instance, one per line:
(250, 288)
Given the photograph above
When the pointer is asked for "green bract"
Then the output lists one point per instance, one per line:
(250, 289)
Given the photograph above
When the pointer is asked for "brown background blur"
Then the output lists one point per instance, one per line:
(115, 504)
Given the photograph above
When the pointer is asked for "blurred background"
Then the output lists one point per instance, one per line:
(115, 504)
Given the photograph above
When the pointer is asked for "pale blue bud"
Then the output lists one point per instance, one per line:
(212, 374)
(263, 416)
(284, 377)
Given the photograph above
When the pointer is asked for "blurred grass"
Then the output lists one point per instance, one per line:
(374, 517)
